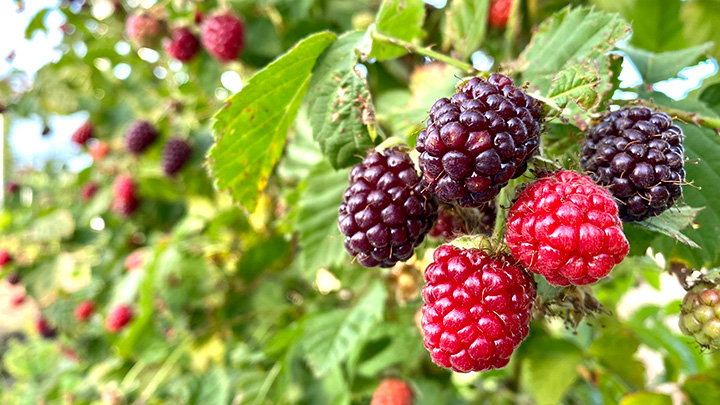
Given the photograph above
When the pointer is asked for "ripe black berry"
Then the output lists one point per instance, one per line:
(638, 154)
(477, 141)
(385, 212)
(139, 136)
(175, 155)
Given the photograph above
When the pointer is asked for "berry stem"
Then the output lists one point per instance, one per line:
(376, 36)
(389, 143)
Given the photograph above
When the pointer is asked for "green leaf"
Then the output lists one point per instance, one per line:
(571, 36)
(711, 96)
(549, 367)
(577, 83)
(341, 112)
(301, 153)
(615, 350)
(402, 19)
(656, 67)
(702, 390)
(671, 222)
(55, 226)
(331, 336)
(37, 23)
(465, 26)
(701, 23)
(250, 130)
(656, 25)
(320, 239)
(213, 388)
(646, 398)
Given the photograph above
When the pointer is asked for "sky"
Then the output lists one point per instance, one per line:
(30, 148)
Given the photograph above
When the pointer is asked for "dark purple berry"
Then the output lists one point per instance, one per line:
(139, 136)
(385, 212)
(638, 154)
(175, 155)
(478, 140)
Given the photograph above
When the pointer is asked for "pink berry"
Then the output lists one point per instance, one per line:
(183, 45)
(118, 317)
(84, 310)
(223, 36)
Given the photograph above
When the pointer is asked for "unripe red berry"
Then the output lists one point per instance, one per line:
(499, 13)
(83, 134)
(566, 228)
(118, 317)
(183, 45)
(223, 36)
(98, 150)
(5, 258)
(84, 310)
(392, 391)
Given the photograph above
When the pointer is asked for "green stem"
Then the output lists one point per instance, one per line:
(163, 372)
(376, 36)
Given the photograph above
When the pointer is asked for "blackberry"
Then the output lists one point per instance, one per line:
(13, 278)
(385, 212)
(175, 155)
(477, 141)
(638, 154)
(456, 221)
(139, 136)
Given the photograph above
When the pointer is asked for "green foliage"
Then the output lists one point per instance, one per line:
(245, 293)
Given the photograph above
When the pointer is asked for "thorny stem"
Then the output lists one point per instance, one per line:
(423, 51)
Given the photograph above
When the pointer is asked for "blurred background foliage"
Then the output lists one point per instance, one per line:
(258, 303)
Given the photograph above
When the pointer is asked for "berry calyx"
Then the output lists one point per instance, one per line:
(566, 228)
(499, 13)
(84, 310)
(83, 134)
(139, 136)
(175, 155)
(477, 308)
(392, 391)
(223, 36)
(118, 318)
(638, 154)
(700, 315)
(385, 212)
(477, 141)
(183, 45)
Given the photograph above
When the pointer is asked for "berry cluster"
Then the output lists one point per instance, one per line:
(478, 140)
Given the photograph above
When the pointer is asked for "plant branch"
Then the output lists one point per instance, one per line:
(376, 36)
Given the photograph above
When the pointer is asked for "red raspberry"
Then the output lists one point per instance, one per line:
(183, 45)
(124, 188)
(83, 133)
(223, 36)
(499, 13)
(118, 317)
(17, 300)
(477, 308)
(44, 329)
(89, 190)
(134, 260)
(566, 228)
(84, 310)
(392, 391)
(124, 207)
(98, 150)
(143, 28)
(5, 258)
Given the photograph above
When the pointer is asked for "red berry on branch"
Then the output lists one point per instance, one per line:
(499, 13)
(566, 228)
(84, 310)
(477, 308)
(83, 134)
(183, 45)
(118, 318)
(223, 36)
(392, 391)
